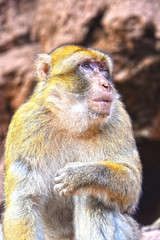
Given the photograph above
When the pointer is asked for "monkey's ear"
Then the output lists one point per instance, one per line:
(43, 66)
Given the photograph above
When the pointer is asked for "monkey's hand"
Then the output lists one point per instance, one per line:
(70, 179)
(111, 183)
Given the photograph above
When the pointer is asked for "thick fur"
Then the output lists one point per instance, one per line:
(70, 173)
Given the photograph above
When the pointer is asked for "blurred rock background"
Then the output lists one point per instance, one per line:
(128, 30)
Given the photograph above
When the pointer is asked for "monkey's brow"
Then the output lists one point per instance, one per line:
(78, 50)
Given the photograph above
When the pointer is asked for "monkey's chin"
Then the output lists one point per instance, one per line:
(101, 107)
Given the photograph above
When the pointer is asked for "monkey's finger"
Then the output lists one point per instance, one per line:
(61, 172)
(60, 186)
(64, 192)
(60, 178)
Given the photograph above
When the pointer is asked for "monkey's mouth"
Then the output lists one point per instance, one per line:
(101, 101)
(101, 105)
(103, 97)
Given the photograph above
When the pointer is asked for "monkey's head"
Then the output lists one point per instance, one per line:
(77, 81)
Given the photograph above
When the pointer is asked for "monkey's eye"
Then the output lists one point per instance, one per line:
(86, 65)
(102, 68)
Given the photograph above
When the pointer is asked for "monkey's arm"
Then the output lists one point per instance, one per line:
(21, 219)
(113, 183)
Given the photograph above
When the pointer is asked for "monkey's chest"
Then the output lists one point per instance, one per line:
(78, 152)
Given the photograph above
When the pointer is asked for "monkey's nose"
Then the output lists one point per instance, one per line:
(104, 83)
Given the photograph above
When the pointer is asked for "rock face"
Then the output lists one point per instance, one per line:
(151, 235)
(129, 31)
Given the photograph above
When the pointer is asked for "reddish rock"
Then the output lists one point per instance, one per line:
(151, 235)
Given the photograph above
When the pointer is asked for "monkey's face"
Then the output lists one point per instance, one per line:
(100, 93)
(77, 84)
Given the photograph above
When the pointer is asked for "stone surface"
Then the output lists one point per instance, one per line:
(151, 235)
(128, 30)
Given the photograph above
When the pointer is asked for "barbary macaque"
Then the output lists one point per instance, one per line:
(72, 170)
